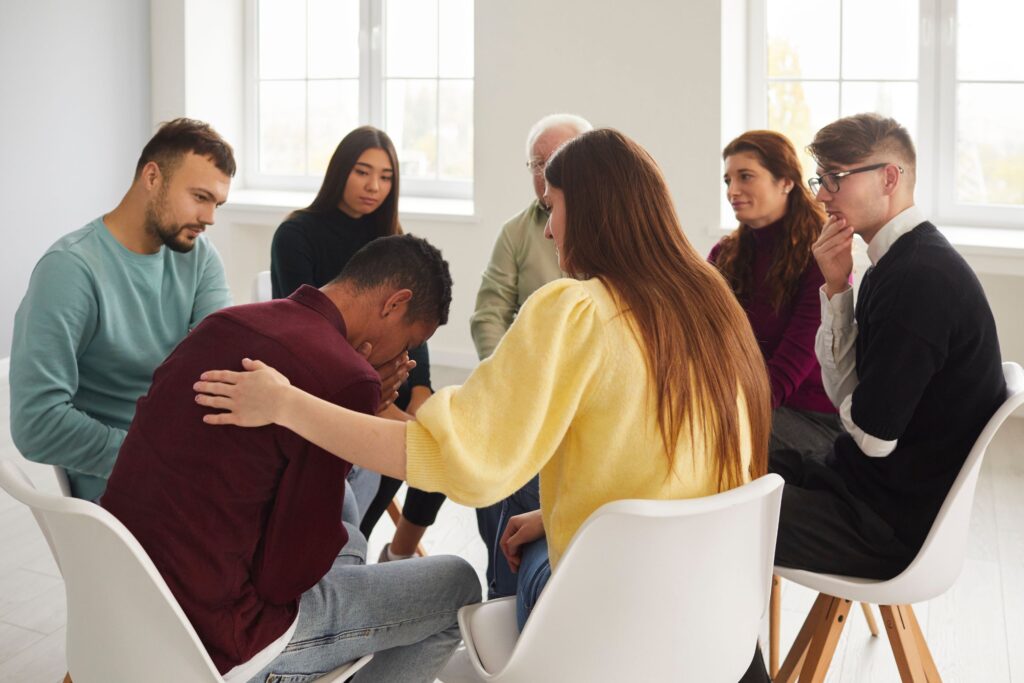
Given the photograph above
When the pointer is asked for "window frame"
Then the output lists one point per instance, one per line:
(371, 108)
(935, 139)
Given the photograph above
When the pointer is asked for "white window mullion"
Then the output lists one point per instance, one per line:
(757, 65)
(929, 105)
(945, 83)
(251, 151)
(373, 82)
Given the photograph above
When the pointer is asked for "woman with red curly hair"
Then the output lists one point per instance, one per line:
(768, 264)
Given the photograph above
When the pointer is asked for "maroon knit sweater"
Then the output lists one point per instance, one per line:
(786, 337)
(240, 522)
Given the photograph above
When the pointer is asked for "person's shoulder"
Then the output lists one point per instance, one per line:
(530, 217)
(925, 258)
(300, 223)
(716, 250)
(567, 296)
(81, 242)
(75, 254)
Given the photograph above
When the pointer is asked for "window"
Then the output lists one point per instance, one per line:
(947, 70)
(319, 68)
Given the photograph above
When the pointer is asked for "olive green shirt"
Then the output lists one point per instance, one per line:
(522, 262)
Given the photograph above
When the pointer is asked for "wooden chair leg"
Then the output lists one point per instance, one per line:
(394, 512)
(899, 625)
(931, 672)
(826, 638)
(870, 617)
(67, 677)
(790, 668)
(774, 620)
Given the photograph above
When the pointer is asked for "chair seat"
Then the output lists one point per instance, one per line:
(850, 587)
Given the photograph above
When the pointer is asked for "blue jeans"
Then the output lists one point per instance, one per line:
(534, 572)
(534, 567)
(404, 612)
(491, 522)
(360, 488)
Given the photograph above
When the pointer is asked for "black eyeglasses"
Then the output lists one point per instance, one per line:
(830, 181)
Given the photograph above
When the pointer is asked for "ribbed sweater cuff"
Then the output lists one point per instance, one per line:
(423, 466)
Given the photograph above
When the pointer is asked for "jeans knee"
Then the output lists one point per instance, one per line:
(463, 579)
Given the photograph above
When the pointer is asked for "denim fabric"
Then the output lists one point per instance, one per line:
(361, 487)
(404, 612)
(491, 522)
(534, 572)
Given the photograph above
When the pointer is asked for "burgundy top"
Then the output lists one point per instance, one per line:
(786, 337)
(240, 522)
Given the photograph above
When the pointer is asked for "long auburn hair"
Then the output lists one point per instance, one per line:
(621, 227)
(385, 216)
(803, 222)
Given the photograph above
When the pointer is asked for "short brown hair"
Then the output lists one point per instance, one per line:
(854, 138)
(176, 138)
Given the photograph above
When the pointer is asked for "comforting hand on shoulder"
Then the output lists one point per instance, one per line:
(250, 399)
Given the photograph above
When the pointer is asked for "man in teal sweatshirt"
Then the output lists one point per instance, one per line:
(108, 302)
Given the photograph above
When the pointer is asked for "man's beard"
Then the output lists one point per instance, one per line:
(170, 235)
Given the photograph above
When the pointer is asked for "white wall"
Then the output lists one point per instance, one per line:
(74, 83)
(651, 73)
(651, 69)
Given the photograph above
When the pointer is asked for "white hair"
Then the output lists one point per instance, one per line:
(576, 123)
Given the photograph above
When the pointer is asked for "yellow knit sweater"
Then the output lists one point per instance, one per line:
(566, 393)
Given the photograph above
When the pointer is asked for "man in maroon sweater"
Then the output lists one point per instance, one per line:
(245, 524)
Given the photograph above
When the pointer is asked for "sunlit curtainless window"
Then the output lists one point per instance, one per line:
(319, 68)
(947, 70)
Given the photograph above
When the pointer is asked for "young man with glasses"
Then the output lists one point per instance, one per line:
(913, 367)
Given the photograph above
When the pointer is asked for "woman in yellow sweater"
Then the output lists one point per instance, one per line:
(640, 378)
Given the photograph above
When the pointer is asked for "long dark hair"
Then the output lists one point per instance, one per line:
(385, 216)
(803, 222)
(621, 227)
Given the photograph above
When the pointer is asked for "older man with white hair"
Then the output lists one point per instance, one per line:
(523, 260)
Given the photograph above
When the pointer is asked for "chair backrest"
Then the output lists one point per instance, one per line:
(123, 622)
(63, 484)
(941, 558)
(659, 590)
(261, 287)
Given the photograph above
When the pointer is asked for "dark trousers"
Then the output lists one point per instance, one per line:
(824, 528)
(420, 506)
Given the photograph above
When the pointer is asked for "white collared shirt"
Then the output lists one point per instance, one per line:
(835, 344)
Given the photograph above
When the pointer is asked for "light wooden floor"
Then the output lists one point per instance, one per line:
(976, 630)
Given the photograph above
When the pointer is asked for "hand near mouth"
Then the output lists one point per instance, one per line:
(834, 253)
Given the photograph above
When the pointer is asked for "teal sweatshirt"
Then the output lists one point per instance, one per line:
(96, 321)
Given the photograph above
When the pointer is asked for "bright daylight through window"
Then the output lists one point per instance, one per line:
(949, 71)
(323, 67)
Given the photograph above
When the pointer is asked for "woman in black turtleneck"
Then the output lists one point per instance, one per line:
(357, 203)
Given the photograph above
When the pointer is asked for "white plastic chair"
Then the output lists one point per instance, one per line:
(931, 573)
(648, 590)
(261, 287)
(62, 481)
(123, 622)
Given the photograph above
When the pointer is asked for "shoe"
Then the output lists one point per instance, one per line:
(386, 556)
